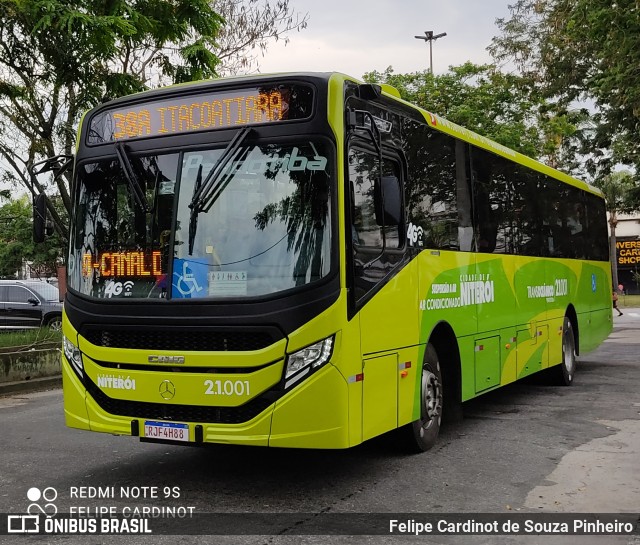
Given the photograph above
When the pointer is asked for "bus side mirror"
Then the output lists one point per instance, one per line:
(41, 227)
(389, 209)
(39, 218)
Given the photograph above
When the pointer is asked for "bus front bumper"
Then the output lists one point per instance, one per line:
(314, 414)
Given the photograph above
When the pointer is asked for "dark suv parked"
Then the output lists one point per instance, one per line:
(28, 304)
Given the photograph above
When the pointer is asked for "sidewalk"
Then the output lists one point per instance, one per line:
(630, 317)
(602, 471)
(32, 385)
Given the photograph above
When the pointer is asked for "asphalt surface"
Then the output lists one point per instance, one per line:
(526, 448)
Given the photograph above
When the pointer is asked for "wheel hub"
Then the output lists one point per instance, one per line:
(432, 398)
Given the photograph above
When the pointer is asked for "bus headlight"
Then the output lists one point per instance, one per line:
(303, 362)
(73, 355)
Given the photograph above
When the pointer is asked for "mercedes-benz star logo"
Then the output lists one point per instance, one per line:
(167, 390)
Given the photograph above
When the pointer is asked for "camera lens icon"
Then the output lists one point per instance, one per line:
(34, 494)
(48, 495)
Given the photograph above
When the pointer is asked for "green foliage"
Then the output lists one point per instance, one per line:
(620, 193)
(14, 219)
(29, 337)
(250, 25)
(16, 243)
(504, 107)
(59, 58)
(577, 50)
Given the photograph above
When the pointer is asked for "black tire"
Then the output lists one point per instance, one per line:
(421, 435)
(55, 322)
(562, 375)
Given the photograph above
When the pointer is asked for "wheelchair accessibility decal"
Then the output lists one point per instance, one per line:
(190, 278)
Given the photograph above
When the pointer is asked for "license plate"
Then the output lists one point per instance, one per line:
(169, 431)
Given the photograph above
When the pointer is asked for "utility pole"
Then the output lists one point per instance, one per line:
(429, 37)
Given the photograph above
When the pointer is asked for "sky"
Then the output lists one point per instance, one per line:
(356, 36)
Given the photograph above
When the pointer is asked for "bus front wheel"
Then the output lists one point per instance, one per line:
(423, 433)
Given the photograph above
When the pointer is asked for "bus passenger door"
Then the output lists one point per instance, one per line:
(379, 399)
(383, 286)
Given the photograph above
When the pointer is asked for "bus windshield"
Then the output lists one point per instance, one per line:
(203, 224)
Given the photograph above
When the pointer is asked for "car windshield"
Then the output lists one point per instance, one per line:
(213, 223)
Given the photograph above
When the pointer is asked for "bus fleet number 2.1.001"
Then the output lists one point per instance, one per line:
(227, 387)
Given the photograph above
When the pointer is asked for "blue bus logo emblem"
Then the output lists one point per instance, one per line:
(593, 283)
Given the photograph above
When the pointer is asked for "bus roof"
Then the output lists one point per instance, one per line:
(433, 120)
(441, 124)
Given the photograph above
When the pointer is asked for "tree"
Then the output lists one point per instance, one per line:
(249, 27)
(504, 107)
(582, 50)
(59, 58)
(17, 246)
(619, 189)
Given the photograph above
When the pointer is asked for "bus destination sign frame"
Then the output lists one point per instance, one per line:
(206, 111)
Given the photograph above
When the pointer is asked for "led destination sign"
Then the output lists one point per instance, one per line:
(192, 113)
(123, 264)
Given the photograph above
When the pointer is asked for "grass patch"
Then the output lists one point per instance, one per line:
(26, 337)
(629, 301)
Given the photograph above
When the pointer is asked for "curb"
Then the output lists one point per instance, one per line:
(33, 385)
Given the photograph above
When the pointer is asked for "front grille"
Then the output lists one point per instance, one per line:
(180, 338)
(184, 413)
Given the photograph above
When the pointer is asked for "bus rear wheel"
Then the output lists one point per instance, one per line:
(422, 434)
(562, 375)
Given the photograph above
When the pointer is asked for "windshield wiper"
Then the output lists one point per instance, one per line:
(207, 192)
(205, 196)
(193, 218)
(130, 175)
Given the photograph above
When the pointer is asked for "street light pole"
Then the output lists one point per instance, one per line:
(429, 37)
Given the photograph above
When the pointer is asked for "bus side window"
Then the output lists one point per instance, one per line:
(598, 247)
(368, 237)
(366, 227)
(493, 194)
(362, 173)
(436, 187)
(464, 198)
(575, 220)
(487, 222)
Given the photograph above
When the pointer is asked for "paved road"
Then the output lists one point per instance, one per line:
(526, 448)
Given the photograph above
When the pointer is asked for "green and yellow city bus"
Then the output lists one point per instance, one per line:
(306, 260)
